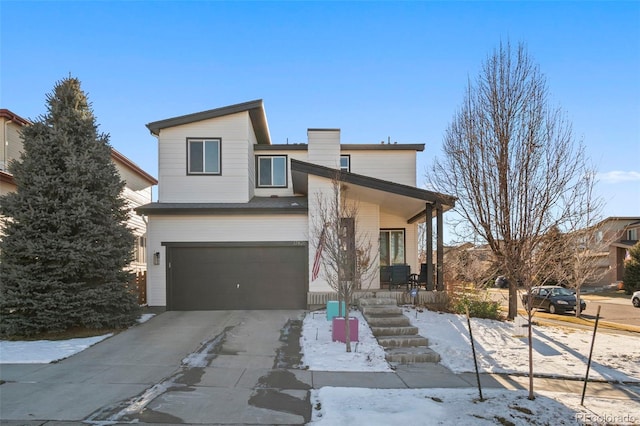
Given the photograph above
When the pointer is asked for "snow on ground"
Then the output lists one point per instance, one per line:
(383, 407)
(46, 351)
(322, 354)
(559, 352)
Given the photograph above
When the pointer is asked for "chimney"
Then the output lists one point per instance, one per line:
(324, 147)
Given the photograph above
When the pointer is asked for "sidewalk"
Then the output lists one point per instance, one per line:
(431, 375)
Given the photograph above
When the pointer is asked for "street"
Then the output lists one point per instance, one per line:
(614, 308)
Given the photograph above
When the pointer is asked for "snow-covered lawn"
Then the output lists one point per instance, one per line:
(46, 351)
(559, 352)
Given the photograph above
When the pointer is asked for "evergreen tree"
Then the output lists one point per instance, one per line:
(66, 244)
(631, 278)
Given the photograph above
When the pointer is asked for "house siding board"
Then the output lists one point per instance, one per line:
(232, 185)
(13, 149)
(394, 166)
(368, 229)
(205, 229)
(251, 166)
(318, 187)
(324, 147)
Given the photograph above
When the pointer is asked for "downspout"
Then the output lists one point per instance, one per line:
(5, 142)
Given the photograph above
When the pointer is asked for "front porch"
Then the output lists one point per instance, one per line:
(318, 300)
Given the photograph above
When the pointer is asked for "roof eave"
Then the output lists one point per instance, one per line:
(255, 109)
(134, 167)
(373, 183)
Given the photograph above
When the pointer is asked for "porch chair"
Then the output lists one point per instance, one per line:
(400, 276)
(420, 280)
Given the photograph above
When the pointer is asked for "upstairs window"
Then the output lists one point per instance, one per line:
(345, 163)
(632, 234)
(272, 171)
(203, 156)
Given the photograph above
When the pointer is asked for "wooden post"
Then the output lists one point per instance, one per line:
(439, 248)
(586, 377)
(473, 348)
(428, 248)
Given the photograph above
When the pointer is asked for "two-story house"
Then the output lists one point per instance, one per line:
(620, 233)
(137, 190)
(232, 226)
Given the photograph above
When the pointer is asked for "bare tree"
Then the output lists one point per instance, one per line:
(514, 165)
(348, 257)
(587, 245)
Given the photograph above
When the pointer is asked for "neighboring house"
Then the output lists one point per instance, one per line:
(231, 228)
(138, 183)
(608, 243)
(621, 233)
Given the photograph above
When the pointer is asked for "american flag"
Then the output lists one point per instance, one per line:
(316, 261)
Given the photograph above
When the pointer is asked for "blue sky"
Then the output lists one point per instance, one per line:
(376, 70)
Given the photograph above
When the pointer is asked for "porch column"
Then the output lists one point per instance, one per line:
(440, 248)
(428, 246)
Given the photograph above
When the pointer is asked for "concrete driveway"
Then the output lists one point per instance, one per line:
(213, 367)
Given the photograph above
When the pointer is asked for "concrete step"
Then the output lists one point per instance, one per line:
(394, 331)
(378, 301)
(381, 310)
(388, 321)
(402, 341)
(411, 355)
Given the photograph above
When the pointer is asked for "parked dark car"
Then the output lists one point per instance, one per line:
(635, 299)
(553, 298)
(501, 282)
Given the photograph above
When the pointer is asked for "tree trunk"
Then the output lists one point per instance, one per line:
(513, 299)
(530, 338)
(347, 331)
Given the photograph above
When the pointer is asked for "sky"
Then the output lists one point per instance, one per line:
(377, 70)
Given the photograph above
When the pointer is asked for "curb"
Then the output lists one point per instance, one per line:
(582, 321)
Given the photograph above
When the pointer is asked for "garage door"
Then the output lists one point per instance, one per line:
(264, 276)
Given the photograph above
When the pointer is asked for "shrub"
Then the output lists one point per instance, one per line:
(479, 304)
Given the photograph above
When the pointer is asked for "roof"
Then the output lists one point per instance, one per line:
(618, 219)
(133, 166)
(346, 147)
(5, 113)
(254, 108)
(7, 178)
(404, 200)
(257, 205)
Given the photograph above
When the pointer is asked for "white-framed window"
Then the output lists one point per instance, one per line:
(203, 156)
(345, 163)
(272, 171)
(392, 247)
(632, 234)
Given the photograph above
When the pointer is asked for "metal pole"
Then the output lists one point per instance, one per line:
(586, 377)
(473, 349)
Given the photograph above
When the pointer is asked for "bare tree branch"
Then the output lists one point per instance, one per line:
(513, 163)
